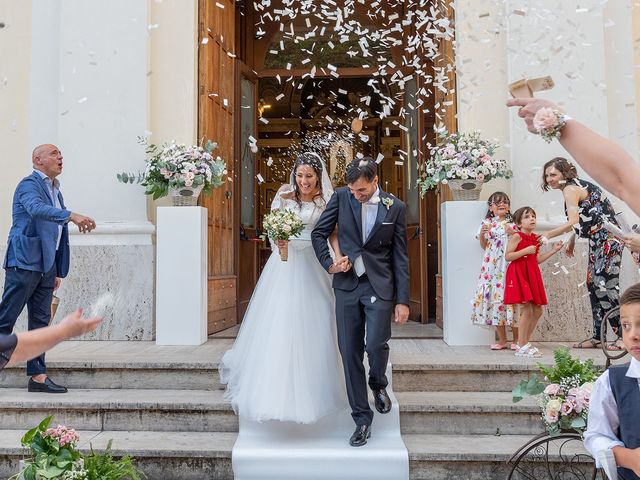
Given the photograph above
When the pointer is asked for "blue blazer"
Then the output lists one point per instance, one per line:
(34, 232)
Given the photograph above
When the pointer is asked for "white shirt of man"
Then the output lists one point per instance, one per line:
(369, 213)
(603, 421)
(53, 187)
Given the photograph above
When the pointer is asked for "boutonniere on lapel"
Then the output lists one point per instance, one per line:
(387, 202)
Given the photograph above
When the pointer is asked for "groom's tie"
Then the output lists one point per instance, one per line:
(369, 212)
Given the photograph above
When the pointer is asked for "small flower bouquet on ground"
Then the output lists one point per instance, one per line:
(461, 156)
(176, 165)
(282, 225)
(564, 396)
(54, 456)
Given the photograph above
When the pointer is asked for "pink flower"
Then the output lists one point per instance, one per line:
(551, 416)
(552, 389)
(480, 177)
(545, 119)
(566, 408)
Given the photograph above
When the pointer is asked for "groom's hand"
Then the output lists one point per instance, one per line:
(402, 314)
(341, 265)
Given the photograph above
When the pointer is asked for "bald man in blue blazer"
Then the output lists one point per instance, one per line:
(38, 253)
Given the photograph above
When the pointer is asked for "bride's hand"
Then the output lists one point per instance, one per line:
(340, 265)
(344, 264)
(282, 243)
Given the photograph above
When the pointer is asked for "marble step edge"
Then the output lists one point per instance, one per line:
(421, 447)
(213, 400)
(509, 365)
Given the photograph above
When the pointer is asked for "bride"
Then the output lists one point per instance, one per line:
(284, 364)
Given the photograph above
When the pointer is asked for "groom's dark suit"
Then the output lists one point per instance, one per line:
(367, 300)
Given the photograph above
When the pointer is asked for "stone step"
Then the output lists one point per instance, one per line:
(205, 377)
(419, 365)
(207, 411)
(467, 413)
(160, 455)
(121, 409)
(486, 457)
(194, 455)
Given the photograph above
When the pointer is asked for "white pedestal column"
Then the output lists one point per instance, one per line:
(181, 276)
(461, 261)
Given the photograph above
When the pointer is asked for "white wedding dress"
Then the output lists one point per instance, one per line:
(285, 364)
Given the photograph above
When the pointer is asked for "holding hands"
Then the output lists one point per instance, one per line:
(340, 265)
(85, 224)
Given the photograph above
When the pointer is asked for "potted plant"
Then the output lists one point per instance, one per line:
(464, 161)
(54, 455)
(179, 171)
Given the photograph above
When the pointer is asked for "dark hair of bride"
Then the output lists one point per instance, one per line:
(315, 163)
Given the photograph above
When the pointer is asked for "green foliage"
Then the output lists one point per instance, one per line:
(526, 388)
(49, 459)
(102, 466)
(169, 165)
(567, 367)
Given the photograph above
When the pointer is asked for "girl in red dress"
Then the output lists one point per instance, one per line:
(523, 284)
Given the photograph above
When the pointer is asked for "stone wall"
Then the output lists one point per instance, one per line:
(125, 273)
(567, 317)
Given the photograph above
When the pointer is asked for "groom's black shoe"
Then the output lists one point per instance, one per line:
(382, 400)
(360, 436)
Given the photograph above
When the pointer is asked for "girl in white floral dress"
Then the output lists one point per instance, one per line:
(488, 306)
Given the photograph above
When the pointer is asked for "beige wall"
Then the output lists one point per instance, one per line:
(15, 67)
(171, 100)
(481, 46)
(635, 15)
(173, 79)
(586, 46)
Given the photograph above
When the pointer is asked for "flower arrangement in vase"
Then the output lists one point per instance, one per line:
(463, 161)
(180, 171)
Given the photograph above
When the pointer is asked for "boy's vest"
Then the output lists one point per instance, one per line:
(627, 395)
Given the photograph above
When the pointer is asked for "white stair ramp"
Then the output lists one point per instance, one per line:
(287, 451)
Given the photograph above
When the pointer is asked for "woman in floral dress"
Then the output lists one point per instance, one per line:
(587, 208)
(488, 306)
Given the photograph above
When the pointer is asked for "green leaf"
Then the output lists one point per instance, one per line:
(578, 423)
(42, 427)
(526, 388)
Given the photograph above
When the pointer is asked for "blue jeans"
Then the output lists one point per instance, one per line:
(35, 290)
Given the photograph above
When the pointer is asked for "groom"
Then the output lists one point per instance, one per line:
(372, 233)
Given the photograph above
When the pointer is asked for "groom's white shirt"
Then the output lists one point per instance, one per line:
(369, 213)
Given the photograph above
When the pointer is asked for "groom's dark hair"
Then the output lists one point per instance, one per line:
(361, 168)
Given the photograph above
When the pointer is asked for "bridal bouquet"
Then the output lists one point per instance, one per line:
(282, 225)
(176, 165)
(564, 398)
(462, 156)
